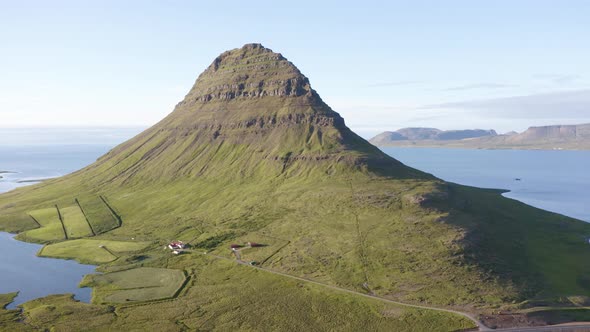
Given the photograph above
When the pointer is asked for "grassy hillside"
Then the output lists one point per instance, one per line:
(222, 296)
(253, 155)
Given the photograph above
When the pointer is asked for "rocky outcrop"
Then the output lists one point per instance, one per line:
(250, 72)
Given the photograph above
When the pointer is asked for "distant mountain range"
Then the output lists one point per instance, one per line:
(558, 137)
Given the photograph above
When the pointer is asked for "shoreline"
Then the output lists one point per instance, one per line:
(76, 293)
(513, 148)
(6, 172)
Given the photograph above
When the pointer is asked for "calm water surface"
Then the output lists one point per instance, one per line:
(557, 181)
(20, 268)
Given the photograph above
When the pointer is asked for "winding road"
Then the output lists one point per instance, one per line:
(570, 327)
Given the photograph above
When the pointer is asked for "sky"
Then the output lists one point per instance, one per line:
(383, 65)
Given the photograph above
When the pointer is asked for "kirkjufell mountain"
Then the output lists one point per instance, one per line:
(253, 155)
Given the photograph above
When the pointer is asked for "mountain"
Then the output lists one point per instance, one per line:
(421, 134)
(567, 137)
(253, 154)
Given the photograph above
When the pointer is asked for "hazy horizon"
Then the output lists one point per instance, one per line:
(495, 65)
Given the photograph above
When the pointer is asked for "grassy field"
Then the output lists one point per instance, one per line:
(75, 222)
(9, 319)
(90, 216)
(135, 285)
(224, 296)
(91, 251)
(50, 233)
(51, 228)
(46, 217)
(98, 214)
(558, 316)
(268, 246)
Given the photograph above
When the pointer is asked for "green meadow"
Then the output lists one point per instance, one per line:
(135, 285)
(90, 251)
(75, 222)
(224, 296)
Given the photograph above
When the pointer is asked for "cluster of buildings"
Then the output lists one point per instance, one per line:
(177, 247)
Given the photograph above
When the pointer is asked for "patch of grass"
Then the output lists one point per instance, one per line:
(75, 222)
(51, 227)
(9, 319)
(268, 246)
(46, 217)
(6, 299)
(224, 296)
(63, 313)
(49, 233)
(135, 285)
(214, 241)
(559, 316)
(98, 214)
(16, 222)
(93, 251)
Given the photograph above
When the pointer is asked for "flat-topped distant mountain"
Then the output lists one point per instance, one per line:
(252, 154)
(557, 137)
(423, 134)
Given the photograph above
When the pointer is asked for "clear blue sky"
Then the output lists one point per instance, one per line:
(382, 65)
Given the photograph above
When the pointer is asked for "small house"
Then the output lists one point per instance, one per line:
(175, 245)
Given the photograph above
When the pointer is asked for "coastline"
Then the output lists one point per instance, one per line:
(461, 145)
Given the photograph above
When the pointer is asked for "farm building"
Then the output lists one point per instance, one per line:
(175, 245)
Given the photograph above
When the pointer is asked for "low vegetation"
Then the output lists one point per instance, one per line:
(98, 213)
(9, 319)
(89, 251)
(75, 222)
(135, 285)
(224, 296)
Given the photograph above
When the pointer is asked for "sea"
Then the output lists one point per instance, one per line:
(557, 181)
(553, 180)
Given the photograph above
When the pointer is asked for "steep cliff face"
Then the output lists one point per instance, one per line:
(555, 133)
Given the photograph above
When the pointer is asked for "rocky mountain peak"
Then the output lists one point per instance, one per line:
(252, 71)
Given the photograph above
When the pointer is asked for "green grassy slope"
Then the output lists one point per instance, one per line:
(262, 155)
(222, 296)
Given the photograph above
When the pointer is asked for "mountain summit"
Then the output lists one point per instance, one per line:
(252, 153)
(251, 109)
(250, 72)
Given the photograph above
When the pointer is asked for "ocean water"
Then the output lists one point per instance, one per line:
(20, 269)
(557, 181)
